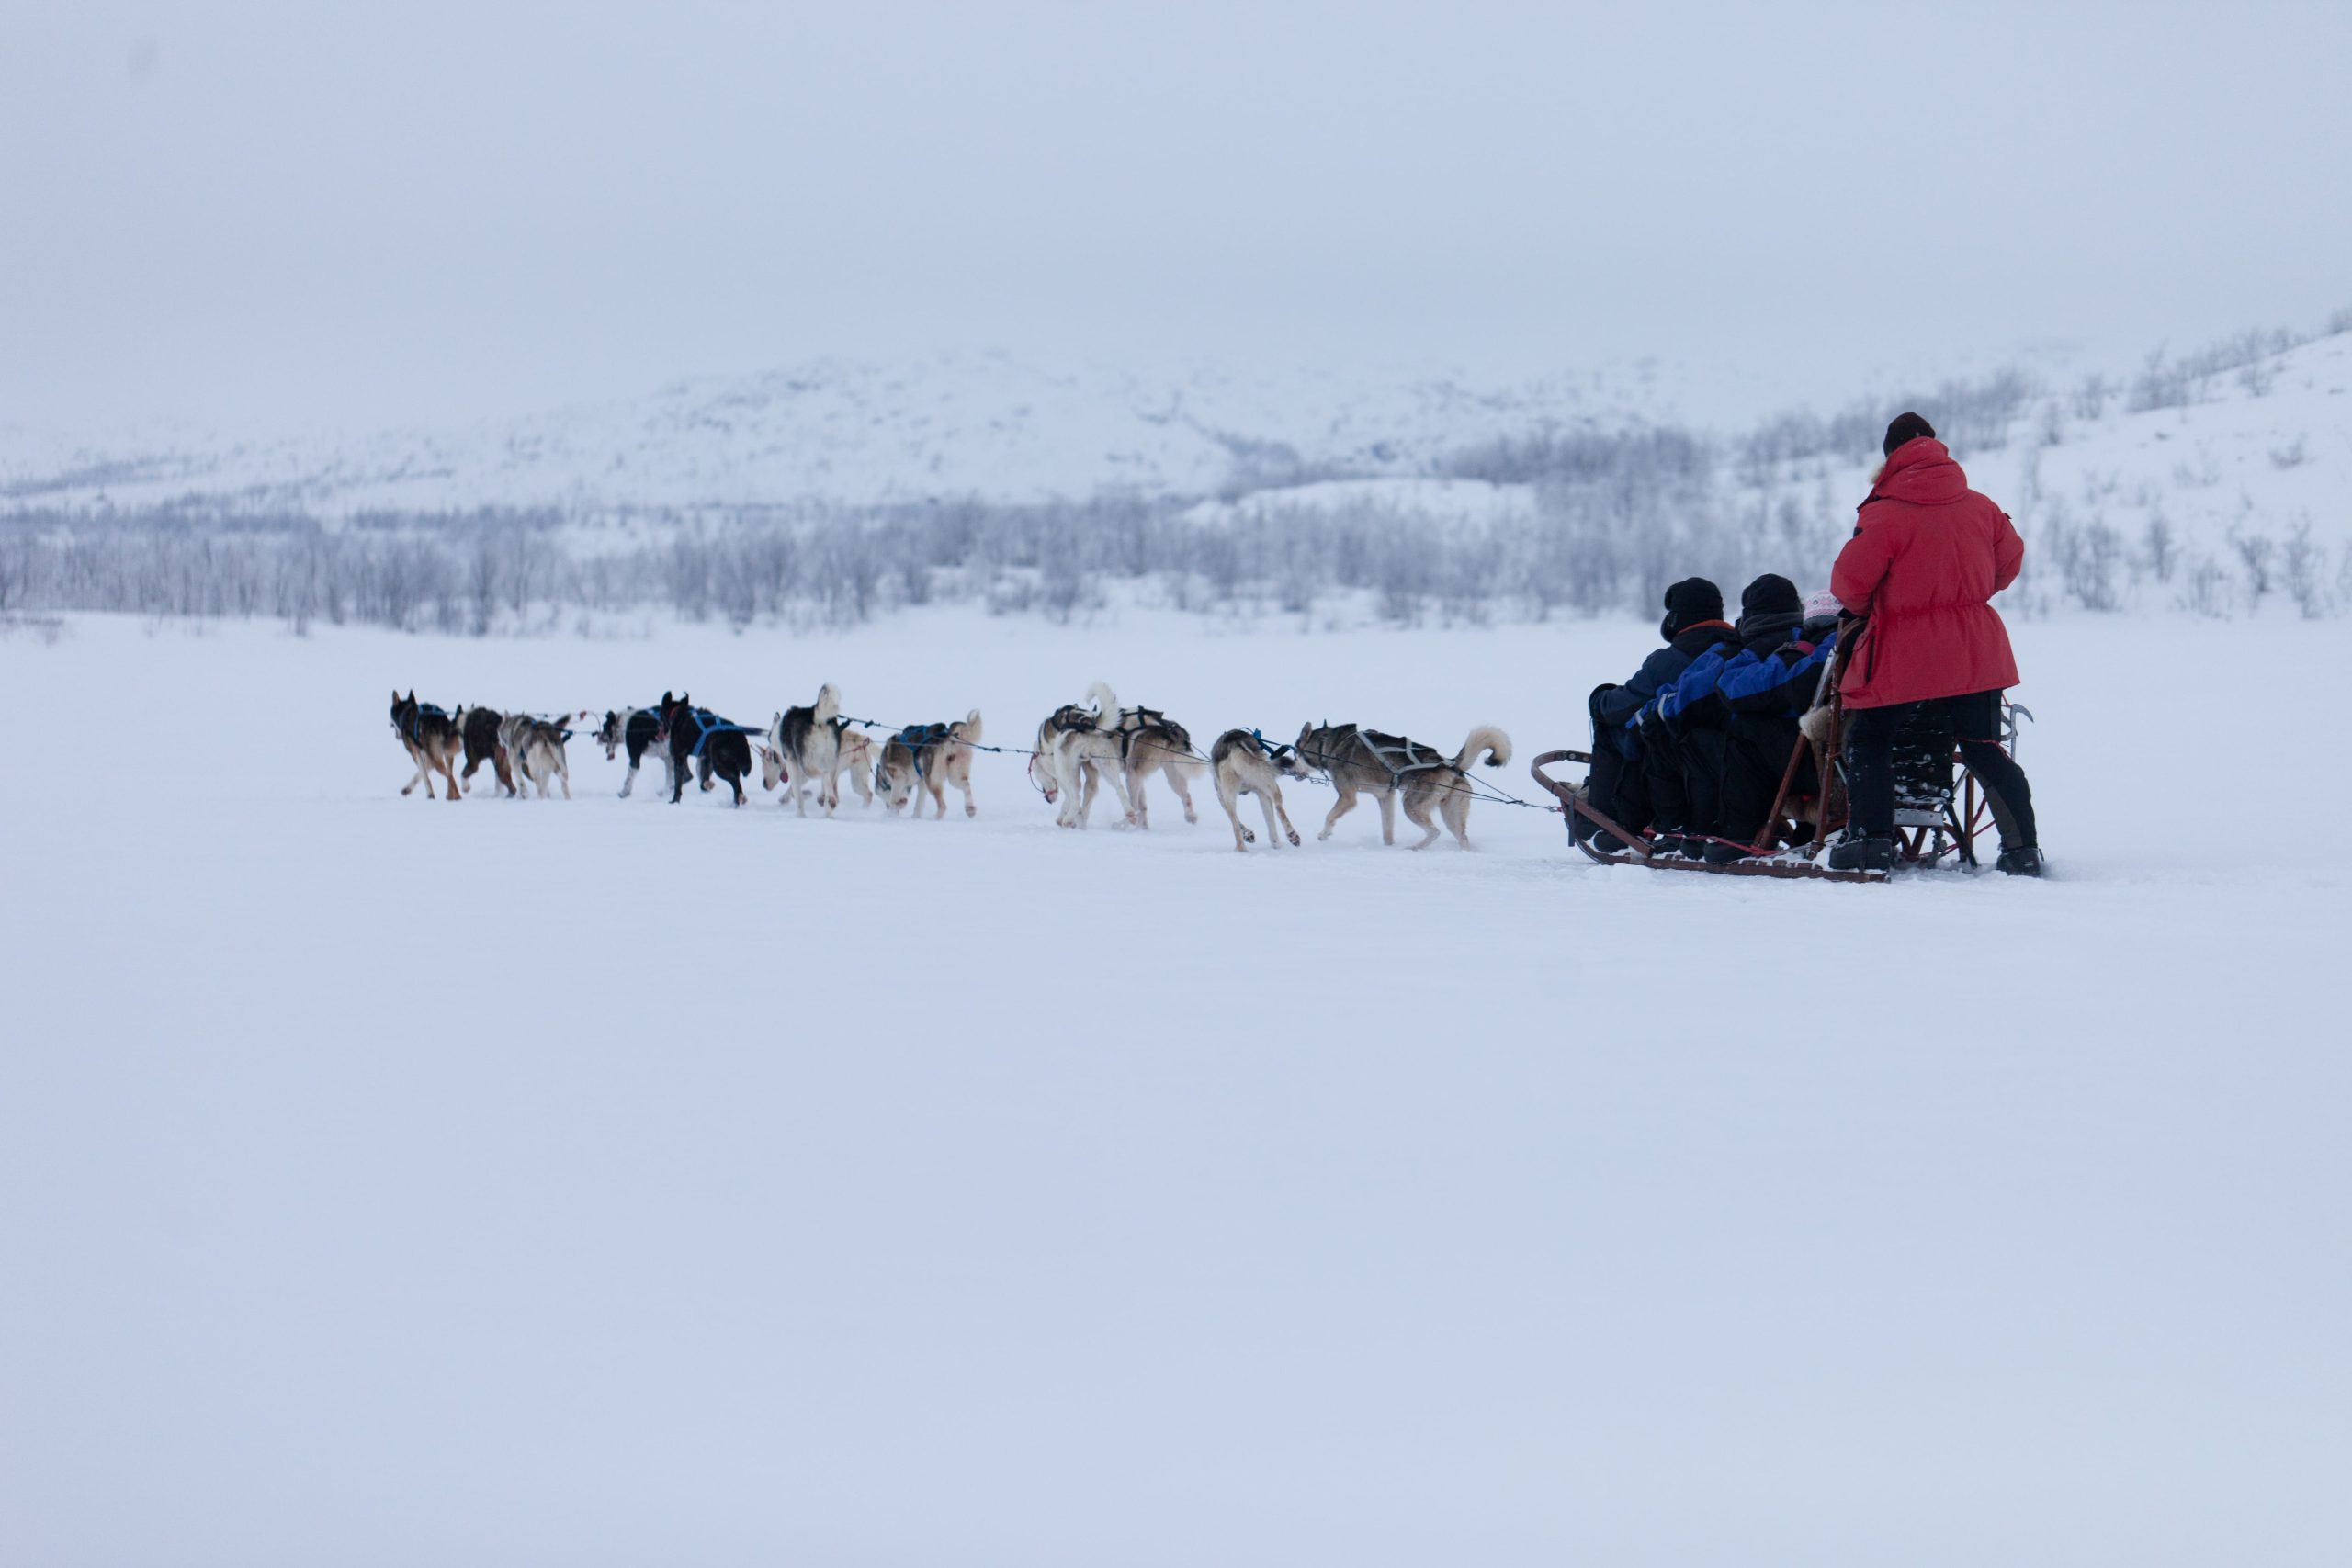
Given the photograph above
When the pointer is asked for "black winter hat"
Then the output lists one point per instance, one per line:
(1689, 602)
(1771, 594)
(1907, 427)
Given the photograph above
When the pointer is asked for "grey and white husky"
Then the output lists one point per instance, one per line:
(1126, 746)
(1079, 748)
(534, 748)
(1241, 766)
(1365, 762)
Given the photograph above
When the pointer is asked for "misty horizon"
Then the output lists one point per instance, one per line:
(486, 216)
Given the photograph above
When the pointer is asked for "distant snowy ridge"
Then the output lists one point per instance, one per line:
(992, 426)
(2218, 483)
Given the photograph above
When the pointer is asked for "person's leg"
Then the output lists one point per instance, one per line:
(1615, 785)
(1703, 779)
(1756, 756)
(1976, 723)
(1868, 749)
(1662, 771)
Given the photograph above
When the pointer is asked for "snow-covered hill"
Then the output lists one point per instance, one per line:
(991, 425)
(2210, 482)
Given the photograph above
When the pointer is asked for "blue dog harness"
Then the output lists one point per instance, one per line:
(709, 724)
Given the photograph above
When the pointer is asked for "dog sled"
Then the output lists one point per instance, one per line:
(1941, 808)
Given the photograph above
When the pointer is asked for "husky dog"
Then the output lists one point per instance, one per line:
(479, 728)
(926, 758)
(1244, 764)
(854, 756)
(1365, 762)
(431, 740)
(537, 747)
(802, 748)
(633, 728)
(712, 744)
(1158, 744)
(1077, 748)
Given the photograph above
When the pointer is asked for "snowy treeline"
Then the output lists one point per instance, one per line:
(1595, 522)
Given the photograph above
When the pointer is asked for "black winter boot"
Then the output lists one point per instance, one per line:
(2023, 861)
(1863, 854)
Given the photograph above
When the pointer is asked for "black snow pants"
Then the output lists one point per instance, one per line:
(1685, 773)
(1756, 756)
(1975, 720)
(1615, 784)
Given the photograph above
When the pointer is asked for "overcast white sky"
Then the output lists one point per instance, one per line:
(279, 214)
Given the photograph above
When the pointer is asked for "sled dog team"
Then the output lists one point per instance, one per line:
(1081, 748)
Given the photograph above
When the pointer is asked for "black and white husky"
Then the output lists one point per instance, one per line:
(802, 748)
(635, 730)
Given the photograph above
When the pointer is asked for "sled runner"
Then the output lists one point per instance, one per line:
(1939, 807)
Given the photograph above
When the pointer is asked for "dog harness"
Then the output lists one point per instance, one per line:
(708, 724)
(1393, 752)
(917, 738)
(412, 728)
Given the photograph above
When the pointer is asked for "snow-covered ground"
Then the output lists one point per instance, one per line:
(618, 1182)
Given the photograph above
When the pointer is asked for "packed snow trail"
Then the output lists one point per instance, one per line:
(544, 1181)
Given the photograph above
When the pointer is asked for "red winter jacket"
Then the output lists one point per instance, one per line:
(1925, 555)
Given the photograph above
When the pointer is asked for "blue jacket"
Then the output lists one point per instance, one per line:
(1780, 681)
(1697, 685)
(1622, 708)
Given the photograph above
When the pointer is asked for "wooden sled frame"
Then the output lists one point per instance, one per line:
(1638, 852)
(1926, 828)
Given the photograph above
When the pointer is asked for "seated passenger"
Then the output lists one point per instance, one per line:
(1618, 785)
(1685, 732)
(1767, 693)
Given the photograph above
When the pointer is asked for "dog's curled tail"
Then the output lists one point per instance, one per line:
(1486, 739)
(969, 731)
(1104, 700)
(828, 703)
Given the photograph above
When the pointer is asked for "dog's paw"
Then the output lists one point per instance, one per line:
(1293, 840)
(1248, 837)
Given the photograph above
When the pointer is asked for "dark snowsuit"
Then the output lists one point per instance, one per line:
(1618, 784)
(1766, 694)
(1679, 764)
(1687, 741)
